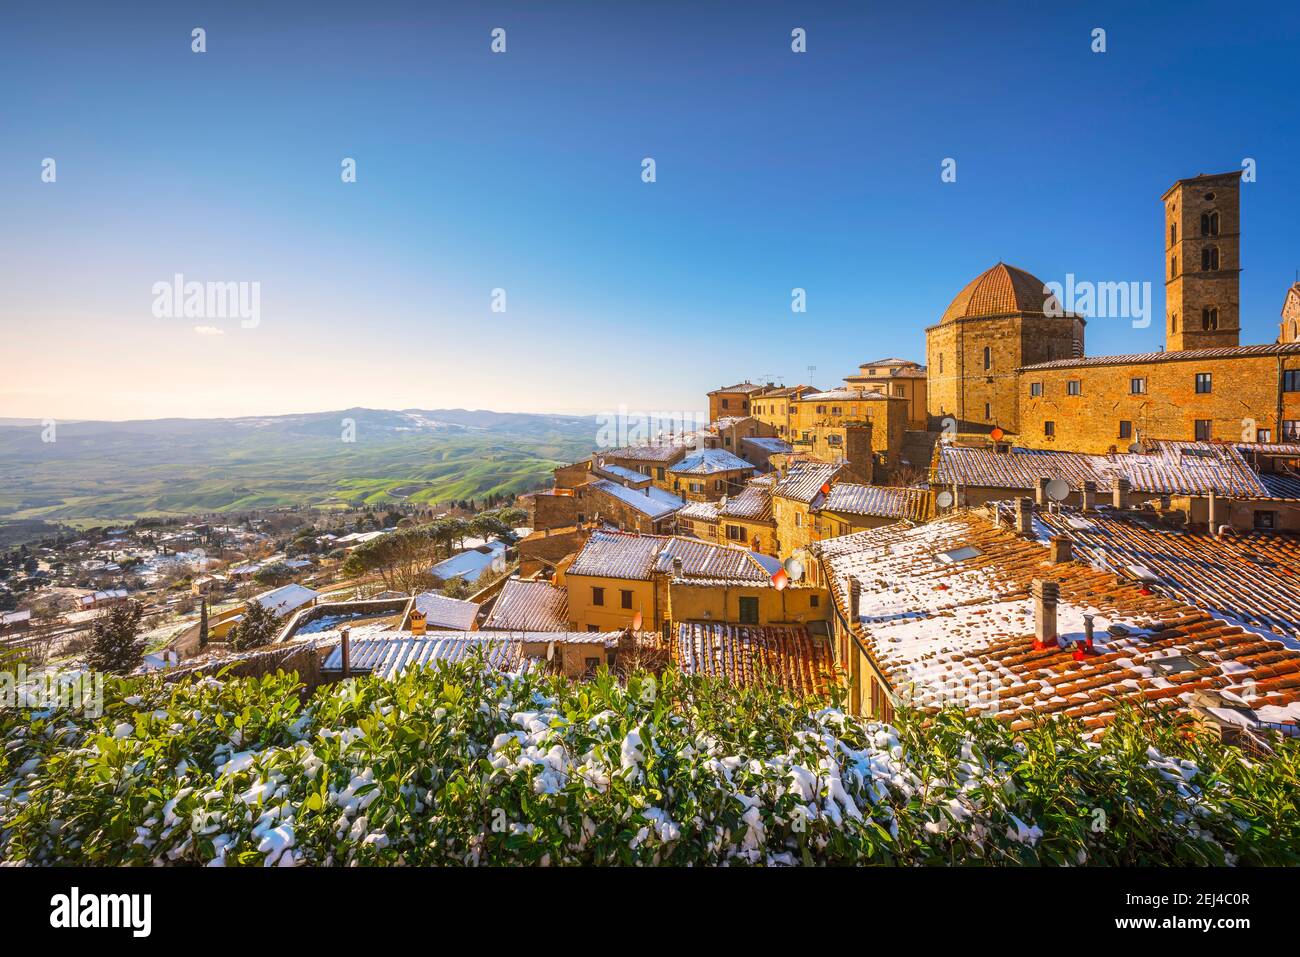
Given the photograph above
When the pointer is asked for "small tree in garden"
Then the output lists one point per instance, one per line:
(116, 646)
(256, 628)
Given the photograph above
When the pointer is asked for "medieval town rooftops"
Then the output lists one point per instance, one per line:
(650, 452)
(651, 500)
(1001, 291)
(1219, 352)
(699, 512)
(619, 473)
(1281, 484)
(753, 502)
(1168, 468)
(799, 663)
(804, 481)
(709, 461)
(443, 612)
(773, 446)
(946, 611)
(286, 598)
(639, 557)
(849, 395)
(389, 656)
(529, 606)
(879, 501)
(1243, 578)
(745, 387)
(785, 391)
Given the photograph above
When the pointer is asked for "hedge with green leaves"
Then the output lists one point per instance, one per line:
(463, 765)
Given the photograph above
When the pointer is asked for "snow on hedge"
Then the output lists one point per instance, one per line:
(463, 764)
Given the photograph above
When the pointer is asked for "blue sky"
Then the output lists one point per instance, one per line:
(522, 171)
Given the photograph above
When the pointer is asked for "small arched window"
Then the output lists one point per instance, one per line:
(988, 358)
(1173, 266)
(1173, 233)
(1209, 318)
(1173, 322)
(1210, 223)
(1210, 258)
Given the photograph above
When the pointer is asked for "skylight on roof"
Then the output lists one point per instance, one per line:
(1180, 664)
(965, 553)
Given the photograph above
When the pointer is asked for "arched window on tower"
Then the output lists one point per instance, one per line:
(1173, 266)
(1173, 234)
(1173, 322)
(1210, 258)
(1210, 223)
(988, 358)
(1209, 318)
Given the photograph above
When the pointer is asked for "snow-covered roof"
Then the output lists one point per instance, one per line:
(639, 557)
(878, 501)
(709, 461)
(389, 656)
(14, 617)
(651, 500)
(286, 598)
(772, 446)
(443, 612)
(947, 613)
(529, 606)
(471, 563)
(1189, 468)
(804, 482)
(747, 653)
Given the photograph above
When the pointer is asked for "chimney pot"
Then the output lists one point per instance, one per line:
(1119, 492)
(1213, 508)
(1046, 595)
(1025, 516)
(1088, 497)
(1062, 549)
(855, 600)
(1040, 494)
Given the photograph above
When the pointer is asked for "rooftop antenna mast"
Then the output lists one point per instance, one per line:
(812, 371)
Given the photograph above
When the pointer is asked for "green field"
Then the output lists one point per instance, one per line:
(112, 471)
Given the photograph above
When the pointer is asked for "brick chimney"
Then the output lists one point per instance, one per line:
(1061, 550)
(1046, 594)
(1088, 496)
(1119, 492)
(1040, 493)
(855, 599)
(1025, 516)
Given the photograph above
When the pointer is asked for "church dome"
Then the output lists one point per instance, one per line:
(1001, 291)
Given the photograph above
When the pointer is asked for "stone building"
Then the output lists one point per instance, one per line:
(1003, 319)
(1290, 328)
(1203, 240)
(1006, 355)
(732, 400)
(901, 378)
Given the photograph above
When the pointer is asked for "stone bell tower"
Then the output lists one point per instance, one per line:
(1203, 262)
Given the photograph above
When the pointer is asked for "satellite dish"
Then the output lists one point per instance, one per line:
(1058, 490)
(794, 568)
(723, 501)
(1135, 448)
(943, 499)
(997, 435)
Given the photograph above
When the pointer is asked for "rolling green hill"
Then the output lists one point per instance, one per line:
(119, 470)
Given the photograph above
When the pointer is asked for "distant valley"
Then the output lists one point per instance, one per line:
(121, 470)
